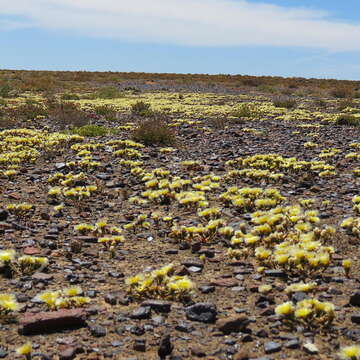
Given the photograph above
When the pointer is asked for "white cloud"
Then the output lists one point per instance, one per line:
(190, 22)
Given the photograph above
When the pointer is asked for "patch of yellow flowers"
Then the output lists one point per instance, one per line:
(63, 299)
(309, 312)
(160, 284)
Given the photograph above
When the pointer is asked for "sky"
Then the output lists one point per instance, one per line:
(306, 38)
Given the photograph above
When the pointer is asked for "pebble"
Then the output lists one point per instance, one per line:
(311, 348)
(139, 345)
(142, 312)
(97, 331)
(272, 347)
(202, 312)
(355, 299)
(165, 347)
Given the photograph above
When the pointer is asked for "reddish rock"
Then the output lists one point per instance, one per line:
(42, 276)
(31, 251)
(45, 322)
(228, 283)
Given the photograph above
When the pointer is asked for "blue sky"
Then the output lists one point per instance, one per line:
(310, 38)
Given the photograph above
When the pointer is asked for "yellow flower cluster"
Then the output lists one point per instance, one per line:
(22, 209)
(26, 264)
(63, 299)
(246, 199)
(309, 312)
(8, 304)
(160, 284)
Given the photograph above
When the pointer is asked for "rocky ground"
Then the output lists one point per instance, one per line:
(228, 314)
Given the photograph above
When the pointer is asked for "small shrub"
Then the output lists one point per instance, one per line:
(217, 123)
(66, 114)
(108, 92)
(68, 96)
(349, 120)
(284, 102)
(345, 104)
(90, 130)
(154, 132)
(5, 90)
(341, 92)
(107, 111)
(30, 110)
(320, 103)
(141, 108)
(245, 111)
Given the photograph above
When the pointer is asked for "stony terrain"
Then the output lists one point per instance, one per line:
(240, 178)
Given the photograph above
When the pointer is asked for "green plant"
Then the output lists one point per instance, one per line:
(347, 119)
(68, 96)
(90, 130)
(245, 111)
(107, 111)
(154, 132)
(341, 92)
(141, 108)
(66, 114)
(5, 90)
(346, 103)
(108, 92)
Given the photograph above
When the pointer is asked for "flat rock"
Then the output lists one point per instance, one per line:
(228, 283)
(311, 348)
(272, 347)
(46, 322)
(275, 273)
(142, 312)
(158, 305)
(202, 312)
(42, 276)
(233, 324)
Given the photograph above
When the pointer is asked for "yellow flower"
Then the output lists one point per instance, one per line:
(8, 302)
(25, 349)
(7, 255)
(347, 264)
(286, 308)
(351, 352)
(72, 291)
(302, 312)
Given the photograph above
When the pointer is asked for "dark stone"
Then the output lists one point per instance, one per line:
(165, 347)
(233, 324)
(206, 289)
(137, 330)
(160, 306)
(275, 273)
(110, 299)
(139, 345)
(203, 312)
(272, 347)
(3, 215)
(142, 312)
(292, 344)
(355, 318)
(355, 299)
(3, 353)
(184, 327)
(97, 331)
